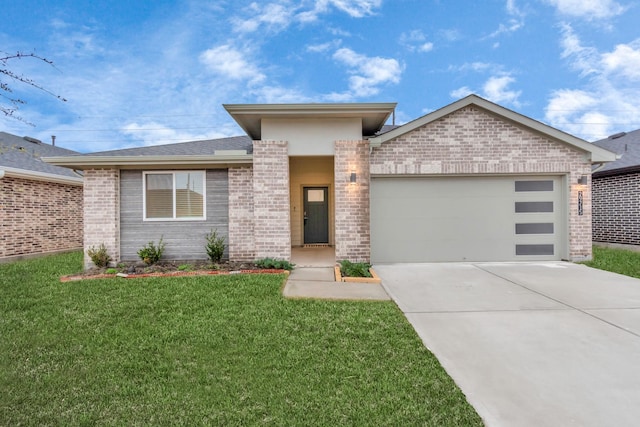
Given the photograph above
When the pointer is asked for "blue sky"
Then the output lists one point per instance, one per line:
(148, 72)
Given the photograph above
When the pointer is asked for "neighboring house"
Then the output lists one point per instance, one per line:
(40, 204)
(616, 191)
(472, 181)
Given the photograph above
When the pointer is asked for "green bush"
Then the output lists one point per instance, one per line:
(215, 246)
(99, 256)
(276, 264)
(354, 269)
(150, 253)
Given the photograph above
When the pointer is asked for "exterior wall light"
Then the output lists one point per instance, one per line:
(352, 178)
(583, 180)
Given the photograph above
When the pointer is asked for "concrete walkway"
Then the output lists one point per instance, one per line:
(530, 344)
(319, 282)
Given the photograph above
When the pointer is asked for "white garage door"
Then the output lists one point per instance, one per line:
(467, 219)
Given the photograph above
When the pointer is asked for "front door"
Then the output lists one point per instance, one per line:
(316, 215)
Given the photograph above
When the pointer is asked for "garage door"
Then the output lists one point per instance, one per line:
(467, 219)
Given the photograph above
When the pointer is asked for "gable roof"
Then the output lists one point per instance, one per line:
(209, 152)
(22, 157)
(597, 154)
(627, 146)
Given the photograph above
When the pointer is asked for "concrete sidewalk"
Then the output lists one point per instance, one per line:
(530, 344)
(319, 282)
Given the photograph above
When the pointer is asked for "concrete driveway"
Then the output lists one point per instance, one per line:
(530, 344)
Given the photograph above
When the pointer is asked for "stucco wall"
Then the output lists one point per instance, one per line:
(616, 209)
(472, 141)
(38, 217)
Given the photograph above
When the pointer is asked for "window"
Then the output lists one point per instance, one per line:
(174, 195)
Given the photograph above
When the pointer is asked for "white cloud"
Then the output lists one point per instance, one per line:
(231, 63)
(368, 73)
(273, 16)
(353, 8)
(609, 99)
(155, 133)
(514, 23)
(460, 92)
(416, 41)
(496, 89)
(588, 9)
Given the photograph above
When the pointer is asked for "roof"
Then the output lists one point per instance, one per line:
(249, 116)
(22, 157)
(209, 152)
(596, 154)
(625, 144)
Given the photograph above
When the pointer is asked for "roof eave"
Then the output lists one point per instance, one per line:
(596, 154)
(92, 162)
(39, 176)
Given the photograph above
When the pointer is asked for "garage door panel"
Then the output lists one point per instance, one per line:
(466, 219)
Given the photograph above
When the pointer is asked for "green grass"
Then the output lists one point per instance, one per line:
(616, 260)
(210, 350)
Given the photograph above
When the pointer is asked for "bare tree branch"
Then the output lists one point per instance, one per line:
(7, 77)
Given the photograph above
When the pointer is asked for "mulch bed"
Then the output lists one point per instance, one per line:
(169, 269)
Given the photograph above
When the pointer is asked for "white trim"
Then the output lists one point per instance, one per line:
(173, 173)
(39, 176)
(90, 162)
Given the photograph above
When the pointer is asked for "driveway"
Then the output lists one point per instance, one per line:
(530, 344)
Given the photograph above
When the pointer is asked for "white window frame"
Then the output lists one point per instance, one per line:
(173, 173)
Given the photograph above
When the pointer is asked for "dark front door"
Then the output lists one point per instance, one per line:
(316, 215)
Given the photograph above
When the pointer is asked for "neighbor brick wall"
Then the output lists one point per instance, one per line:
(616, 209)
(352, 233)
(38, 217)
(102, 212)
(472, 141)
(272, 228)
(241, 230)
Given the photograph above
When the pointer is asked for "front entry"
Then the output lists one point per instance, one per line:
(316, 215)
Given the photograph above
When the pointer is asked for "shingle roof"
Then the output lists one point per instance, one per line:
(192, 148)
(626, 144)
(20, 153)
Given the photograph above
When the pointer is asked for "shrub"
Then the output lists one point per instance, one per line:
(354, 269)
(215, 246)
(185, 267)
(99, 256)
(272, 263)
(150, 253)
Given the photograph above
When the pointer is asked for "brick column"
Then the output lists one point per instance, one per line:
(353, 238)
(241, 227)
(102, 212)
(272, 226)
(580, 226)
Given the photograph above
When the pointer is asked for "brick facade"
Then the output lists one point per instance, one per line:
(616, 209)
(352, 233)
(272, 229)
(102, 212)
(471, 141)
(241, 230)
(38, 217)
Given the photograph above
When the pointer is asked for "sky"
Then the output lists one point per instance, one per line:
(147, 72)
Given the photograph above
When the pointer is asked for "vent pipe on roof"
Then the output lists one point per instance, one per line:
(53, 140)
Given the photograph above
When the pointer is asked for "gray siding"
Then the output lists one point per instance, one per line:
(185, 240)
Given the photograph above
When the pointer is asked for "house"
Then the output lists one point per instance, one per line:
(472, 181)
(40, 204)
(616, 191)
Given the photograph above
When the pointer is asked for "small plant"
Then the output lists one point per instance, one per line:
(215, 246)
(111, 271)
(276, 264)
(354, 269)
(185, 267)
(99, 256)
(150, 253)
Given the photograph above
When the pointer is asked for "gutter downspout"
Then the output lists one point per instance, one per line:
(1, 173)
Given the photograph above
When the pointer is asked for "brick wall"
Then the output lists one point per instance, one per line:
(352, 234)
(102, 212)
(472, 141)
(616, 209)
(271, 199)
(38, 217)
(241, 230)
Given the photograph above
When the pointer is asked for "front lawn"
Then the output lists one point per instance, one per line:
(208, 350)
(616, 260)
